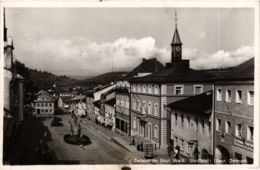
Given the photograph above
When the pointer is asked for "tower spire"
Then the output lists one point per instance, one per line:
(176, 44)
(5, 29)
(176, 19)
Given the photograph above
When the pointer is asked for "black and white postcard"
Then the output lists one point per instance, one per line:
(108, 84)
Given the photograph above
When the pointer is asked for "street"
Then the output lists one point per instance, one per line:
(100, 151)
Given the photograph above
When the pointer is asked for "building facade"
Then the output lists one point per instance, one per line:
(234, 114)
(123, 97)
(110, 120)
(191, 127)
(44, 103)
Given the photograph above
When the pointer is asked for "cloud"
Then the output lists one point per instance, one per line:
(222, 59)
(82, 56)
(79, 56)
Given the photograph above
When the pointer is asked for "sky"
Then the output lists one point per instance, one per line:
(88, 41)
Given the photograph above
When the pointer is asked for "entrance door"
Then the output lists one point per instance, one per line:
(38, 111)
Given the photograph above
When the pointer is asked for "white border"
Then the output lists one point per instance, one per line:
(151, 3)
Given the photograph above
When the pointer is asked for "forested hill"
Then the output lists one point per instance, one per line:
(36, 80)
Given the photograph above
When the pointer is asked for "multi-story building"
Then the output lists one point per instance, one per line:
(191, 126)
(148, 66)
(151, 94)
(110, 120)
(108, 95)
(45, 103)
(78, 105)
(93, 97)
(234, 114)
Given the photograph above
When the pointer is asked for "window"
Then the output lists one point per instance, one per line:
(250, 133)
(156, 89)
(156, 110)
(139, 105)
(188, 121)
(202, 126)
(149, 108)
(219, 95)
(134, 104)
(50, 104)
(176, 141)
(144, 89)
(238, 131)
(134, 122)
(178, 89)
(250, 97)
(238, 96)
(144, 107)
(149, 89)
(187, 147)
(182, 144)
(50, 110)
(117, 123)
(139, 88)
(134, 88)
(227, 127)
(176, 118)
(218, 125)
(249, 160)
(37, 104)
(182, 121)
(209, 124)
(238, 156)
(156, 132)
(198, 89)
(228, 95)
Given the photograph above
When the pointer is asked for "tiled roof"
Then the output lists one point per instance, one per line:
(111, 102)
(147, 66)
(199, 104)
(244, 71)
(47, 94)
(176, 74)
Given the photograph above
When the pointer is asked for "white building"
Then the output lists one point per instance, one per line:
(44, 104)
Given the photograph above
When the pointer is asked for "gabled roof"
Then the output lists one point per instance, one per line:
(199, 104)
(175, 75)
(147, 66)
(111, 102)
(244, 71)
(42, 92)
(176, 38)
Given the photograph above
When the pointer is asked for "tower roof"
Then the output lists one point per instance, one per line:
(176, 37)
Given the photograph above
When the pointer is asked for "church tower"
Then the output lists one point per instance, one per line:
(176, 45)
